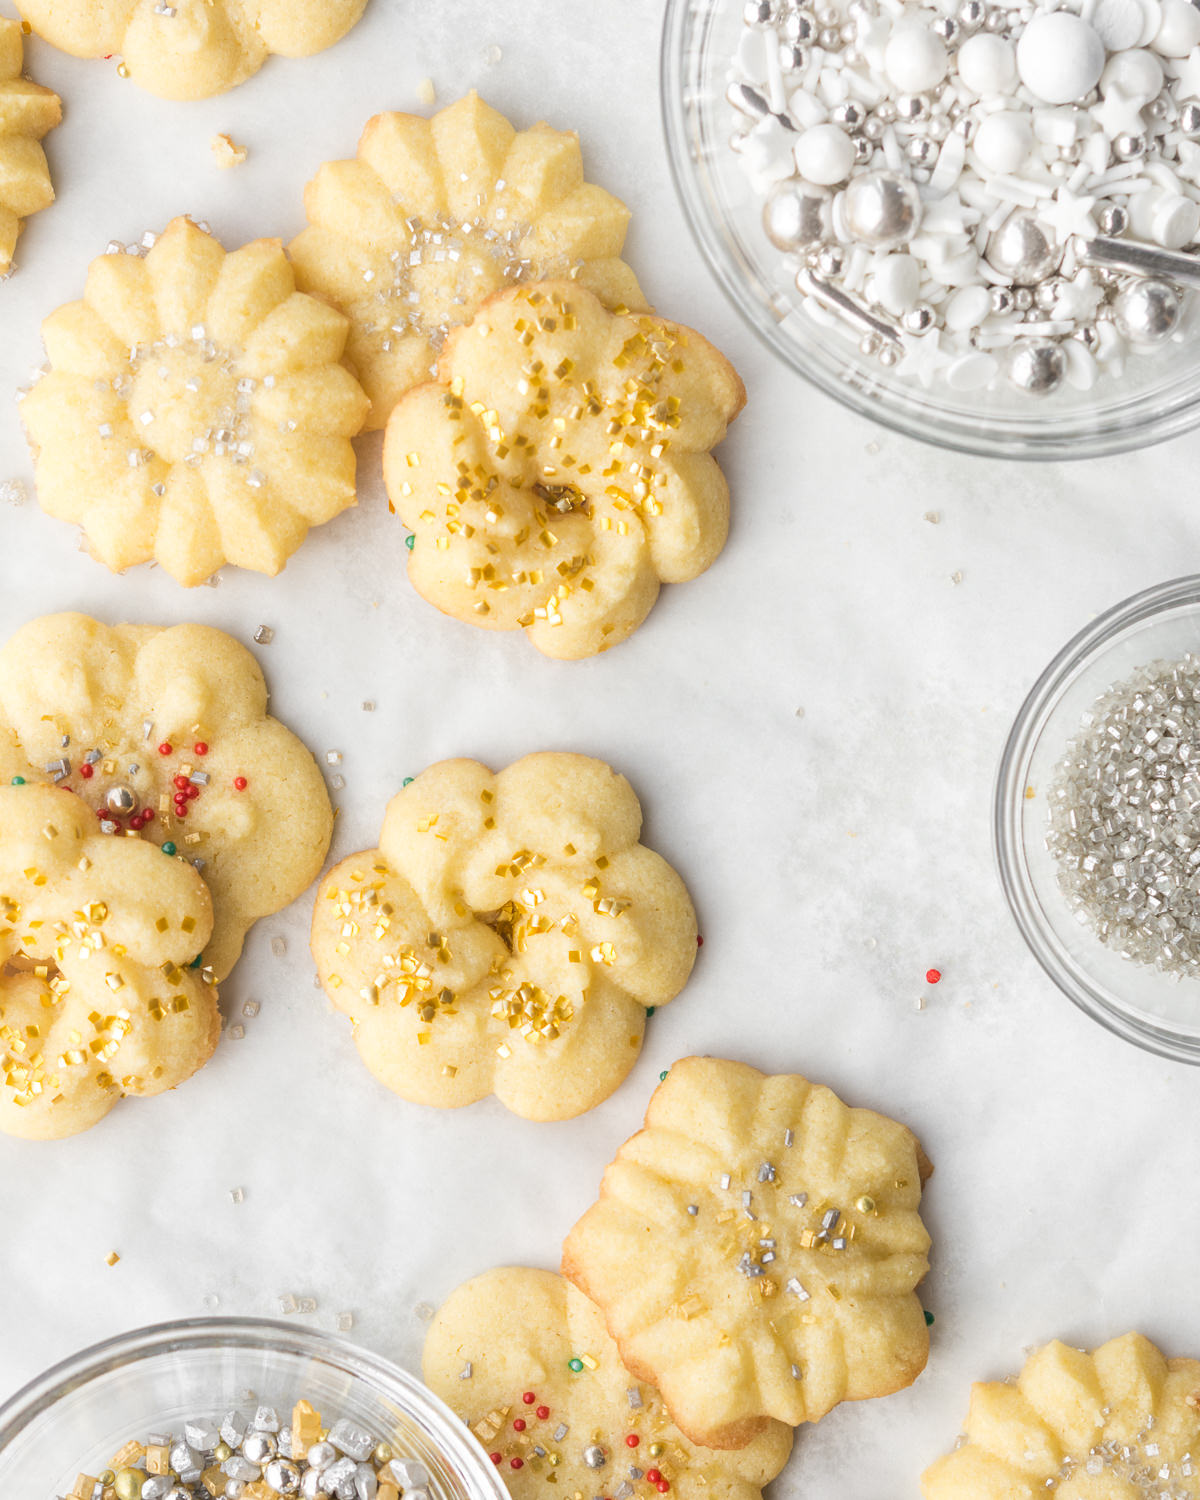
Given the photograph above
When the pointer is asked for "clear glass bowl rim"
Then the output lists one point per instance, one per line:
(1032, 717)
(1150, 416)
(445, 1429)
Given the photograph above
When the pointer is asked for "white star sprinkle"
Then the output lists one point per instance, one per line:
(1118, 113)
(1069, 213)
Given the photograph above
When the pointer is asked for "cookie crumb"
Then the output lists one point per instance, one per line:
(111, 1258)
(226, 152)
(426, 93)
(13, 492)
(933, 517)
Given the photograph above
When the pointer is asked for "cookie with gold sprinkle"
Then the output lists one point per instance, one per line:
(98, 995)
(27, 113)
(506, 937)
(165, 734)
(755, 1250)
(191, 49)
(524, 1358)
(1121, 1423)
(435, 215)
(558, 471)
(196, 411)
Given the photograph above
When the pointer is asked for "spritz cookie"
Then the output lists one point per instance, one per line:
(27, 112)
(434, 216)
(1118, 1424)
(506, 937)
(98, 998)
(165, 734)
(559, 471)
(524, 1358)
(755, 1250)
(189, 49)
(195, 411)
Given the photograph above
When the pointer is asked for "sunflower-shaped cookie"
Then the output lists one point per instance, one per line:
(433, 216)
(195, 411)
(526, 1361)
(1119, 1424)
(506, 937)
(27, 112)
(558, 471)
(165, 734)
(189, 49)
(98, 998)
(755, 1249)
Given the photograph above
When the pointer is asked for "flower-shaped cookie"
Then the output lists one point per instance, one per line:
(196, 411)
(1119, 1424)
(165, 733)
(98, 996)
(559, 471)
(755, 1249)
(525, 1359)
(434, 216)
(506, 937)
(189, 49)
(27, 112)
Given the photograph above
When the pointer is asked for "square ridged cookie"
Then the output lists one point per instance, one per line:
(1122, 1423)
(196, 410)
(755, 1250)
(507, 936)
(524, 1358)
(433, 216)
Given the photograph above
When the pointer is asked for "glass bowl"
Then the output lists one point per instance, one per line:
(1154, 1010)
(1157, 397)
(73, 1418)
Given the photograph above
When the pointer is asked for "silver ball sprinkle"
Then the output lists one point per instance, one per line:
(831, 261)
(799, 26)
(121, 800)
(849, 115)
(1113, 219)
(947, 28)
(847, 33)
(1002, 300)
(793, 57)
(1020, 248)
(321, 1455)
(1047, 294)
(1022, 298)
(594, 1456)
(829, 15)
(889, 355)
(760, 13)
(918, 319)
(1147, 310)
(971, 14)
(259, 1447)
(1127, 147)
(797, 215)
(830, 38)
(1157, 108)
(873, 128)
(1087, 336)
(1189, 119)
(912, 107)
(1036, 366)
(881, 208)
(921, 151)
(864, 150)
(283, 1476)
(885, 110)
(997, 21)
(869, 344)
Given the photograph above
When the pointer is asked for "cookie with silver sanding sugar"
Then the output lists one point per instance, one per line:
(191, 49)
(1121, 1423)
(755, 1250)
(196, 411)
(507, 936)
(27, 113)
(559, 471)
(164, 733)
(433, 216)
(524, 1358)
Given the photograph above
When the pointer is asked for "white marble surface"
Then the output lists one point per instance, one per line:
(833, 856)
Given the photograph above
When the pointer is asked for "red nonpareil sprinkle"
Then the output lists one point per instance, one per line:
(699, 941)
(633, 1440)
(543, 1412)
(516, 1463)
(200, 747)
(181, 809)
(192, 792)
(240, 783)
(518, 1424)
(87, 771)
(932, 976)
(653, 1475)
(166, 749)
(529, 1398)
(181, 783)
(495, 1457)
(663, 1486)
